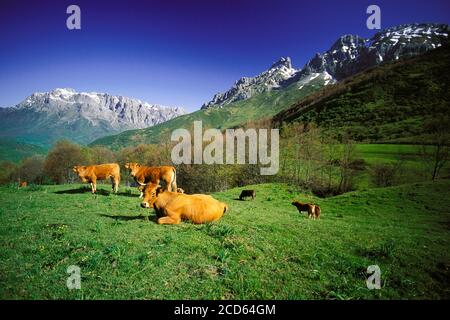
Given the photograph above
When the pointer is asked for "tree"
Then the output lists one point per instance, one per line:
(385, 175)
(99, 155)
(437, 155)
(331, 155)
(32, 169)
(346, 168)
(8, 170)
(60, 160)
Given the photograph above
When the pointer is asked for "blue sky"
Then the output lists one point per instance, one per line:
(175, 52)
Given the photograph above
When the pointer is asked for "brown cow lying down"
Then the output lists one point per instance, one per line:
(99, 172)
(144, 175)
(312, 209)
(23, 184)
(172, 207)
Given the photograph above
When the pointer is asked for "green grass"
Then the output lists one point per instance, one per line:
(413, 168)
(261, 249)
(11, 150)
(384, 153)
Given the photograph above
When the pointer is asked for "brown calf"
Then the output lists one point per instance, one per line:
(312, 209)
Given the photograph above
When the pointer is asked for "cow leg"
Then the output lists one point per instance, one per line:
(314, 213)
(173, 183)
(94, 186)
(309, 213)
(115, 184)
(170, 218)
(140, 187)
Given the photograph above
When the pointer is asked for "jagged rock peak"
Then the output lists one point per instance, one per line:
(348, 55)
(282, 62)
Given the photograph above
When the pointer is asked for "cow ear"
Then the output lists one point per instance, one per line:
(159, 189)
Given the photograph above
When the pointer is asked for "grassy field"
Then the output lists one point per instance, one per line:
(11, 150)
(384, 153)
(412, 166)
(261, 249)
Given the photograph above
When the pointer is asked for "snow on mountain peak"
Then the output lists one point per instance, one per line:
(282, 62)
(246, 87)
(119, 112)
(348, 55)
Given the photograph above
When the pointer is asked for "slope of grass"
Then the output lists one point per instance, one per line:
(261, 106)
(42, 129)
(412, 167)
(388, 103)
(261, 249)
(374, 153)
(11, 150)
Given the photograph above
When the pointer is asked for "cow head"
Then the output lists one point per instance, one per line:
(133, 167)
(79, 169)
(151, 192)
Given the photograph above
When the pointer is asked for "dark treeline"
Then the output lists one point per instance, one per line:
(309, 157)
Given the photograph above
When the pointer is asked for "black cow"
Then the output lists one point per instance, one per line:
(247, 193)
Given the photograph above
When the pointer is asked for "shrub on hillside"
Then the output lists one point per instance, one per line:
(31, 170)
(60, 160)
(7, 171)
(385, 175)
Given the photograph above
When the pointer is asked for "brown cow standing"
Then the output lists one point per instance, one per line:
(23, 184)
(312, 209)
(172, 207)
(144, 175)
(99, 172)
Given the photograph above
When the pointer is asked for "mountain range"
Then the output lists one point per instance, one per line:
(282, 87)
(116, 121)
(82, 117)
(349, 55)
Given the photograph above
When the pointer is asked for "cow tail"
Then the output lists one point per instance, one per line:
(174, 180)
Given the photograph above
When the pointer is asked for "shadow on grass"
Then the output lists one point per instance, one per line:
(83, 190)
(101, 192)
(152, 218)
(127, 194)
(238, 199)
